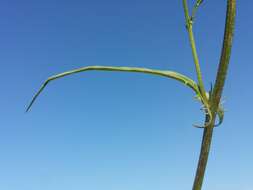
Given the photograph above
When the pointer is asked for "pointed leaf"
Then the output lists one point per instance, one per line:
(170, 74)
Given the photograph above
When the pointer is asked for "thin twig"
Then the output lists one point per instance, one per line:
(205, 100)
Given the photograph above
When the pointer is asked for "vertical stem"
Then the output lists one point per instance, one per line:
(194, 50)
(203, 157)
(225, 53)
(204, 99)
(196, 60)
(217, 92)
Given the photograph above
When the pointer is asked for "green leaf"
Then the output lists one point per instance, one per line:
(170, 74)
(164, 73)
(195, 8)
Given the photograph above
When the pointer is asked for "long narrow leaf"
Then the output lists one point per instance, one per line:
(170, 74)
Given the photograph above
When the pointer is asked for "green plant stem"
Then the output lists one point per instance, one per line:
(205, 100)
(194, 50)
(217, 92)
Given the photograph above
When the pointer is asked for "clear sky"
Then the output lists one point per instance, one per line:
(119, 131)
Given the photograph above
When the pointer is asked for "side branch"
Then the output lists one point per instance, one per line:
(189, 23)
(194, 50)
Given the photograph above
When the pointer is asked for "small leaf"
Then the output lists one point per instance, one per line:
(199, 2)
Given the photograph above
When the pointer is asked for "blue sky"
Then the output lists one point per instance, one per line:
(110, 131)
